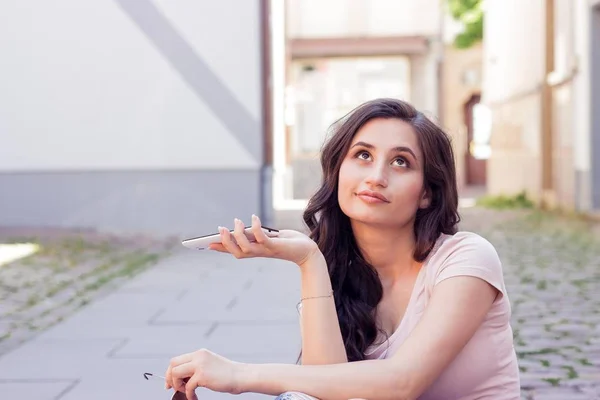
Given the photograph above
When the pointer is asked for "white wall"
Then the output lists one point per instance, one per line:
(581, 87)
(352, 18)
(513, 70)
(424, 84)
(513, 66)
(513, 58)
(83, 88)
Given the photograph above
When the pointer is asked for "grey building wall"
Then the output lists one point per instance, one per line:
(154, 202)
(147, 119)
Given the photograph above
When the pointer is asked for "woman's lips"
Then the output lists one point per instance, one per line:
(371, 197)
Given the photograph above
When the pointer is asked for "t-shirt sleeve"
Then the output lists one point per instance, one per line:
(472, 255)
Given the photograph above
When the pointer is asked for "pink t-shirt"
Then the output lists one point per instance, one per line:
(486, 368)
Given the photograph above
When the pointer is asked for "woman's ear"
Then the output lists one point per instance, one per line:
(425, 199)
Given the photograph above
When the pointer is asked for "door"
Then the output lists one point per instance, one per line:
(477, 142)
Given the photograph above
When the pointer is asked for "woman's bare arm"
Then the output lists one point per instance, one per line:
(457, 308)
(321, 336)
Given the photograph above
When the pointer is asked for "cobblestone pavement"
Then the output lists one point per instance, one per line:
(552, 272)
(70, 269)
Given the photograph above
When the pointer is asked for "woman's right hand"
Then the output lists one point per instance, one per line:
(289, 245)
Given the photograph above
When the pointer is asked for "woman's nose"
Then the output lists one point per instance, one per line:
(377, 176)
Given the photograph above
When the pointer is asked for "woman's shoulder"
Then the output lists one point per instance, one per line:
(465, 242)
(464, 249)
(465, 254)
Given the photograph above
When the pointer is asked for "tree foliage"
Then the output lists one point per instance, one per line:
(470, 14)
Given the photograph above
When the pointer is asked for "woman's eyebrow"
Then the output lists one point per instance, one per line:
(399, 149)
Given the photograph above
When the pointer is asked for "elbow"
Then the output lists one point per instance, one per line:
(403, 392)
(403, 385)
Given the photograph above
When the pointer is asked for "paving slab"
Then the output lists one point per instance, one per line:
(242, 309)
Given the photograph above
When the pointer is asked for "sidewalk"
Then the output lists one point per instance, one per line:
(241, 309)
(245, 310)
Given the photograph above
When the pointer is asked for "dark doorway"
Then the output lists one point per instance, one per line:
(476, 165)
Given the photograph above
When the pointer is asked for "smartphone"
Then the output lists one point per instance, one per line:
(202, 242)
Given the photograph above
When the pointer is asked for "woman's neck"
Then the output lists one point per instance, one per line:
(389, 251)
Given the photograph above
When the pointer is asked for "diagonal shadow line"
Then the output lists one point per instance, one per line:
(68, 389)
(196, 73)
(113, 352)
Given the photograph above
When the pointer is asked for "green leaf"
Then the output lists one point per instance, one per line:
(470, 14)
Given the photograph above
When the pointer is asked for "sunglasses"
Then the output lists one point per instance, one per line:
(176, 396)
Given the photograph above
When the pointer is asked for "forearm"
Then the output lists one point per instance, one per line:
(372, 380)
(322, 341)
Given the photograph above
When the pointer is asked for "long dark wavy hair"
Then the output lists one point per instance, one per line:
(357, 287)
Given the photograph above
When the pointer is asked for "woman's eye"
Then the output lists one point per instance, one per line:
(363, 155)
(401, 162)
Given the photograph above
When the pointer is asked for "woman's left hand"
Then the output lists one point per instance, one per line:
(203, 368)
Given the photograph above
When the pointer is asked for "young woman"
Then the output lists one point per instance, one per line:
(396, 304)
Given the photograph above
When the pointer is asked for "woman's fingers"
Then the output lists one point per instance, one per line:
(181, 375)
(227, 242)
(260, 236)
(175, 362)
(240, 237)
(239, 242)
(218, 247)
(190, 388)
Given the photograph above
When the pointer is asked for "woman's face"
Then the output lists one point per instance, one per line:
(381, 177)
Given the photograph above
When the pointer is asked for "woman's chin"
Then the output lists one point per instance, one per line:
(370, 219)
